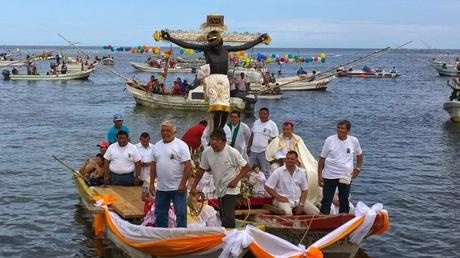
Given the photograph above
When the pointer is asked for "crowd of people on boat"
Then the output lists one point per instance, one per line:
(5, 57)
(276, 165)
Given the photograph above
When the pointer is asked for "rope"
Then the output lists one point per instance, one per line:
(92, 58)
(306, 231)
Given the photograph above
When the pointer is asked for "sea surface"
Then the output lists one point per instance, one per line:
(411, 149)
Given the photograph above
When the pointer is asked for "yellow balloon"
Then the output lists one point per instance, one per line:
(157, 36)
(322, 55)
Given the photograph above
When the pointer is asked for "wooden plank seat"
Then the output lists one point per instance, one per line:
(272, 209)
(128, 203)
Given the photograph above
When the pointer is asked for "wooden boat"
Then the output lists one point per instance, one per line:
(128, 205)
(193, 101)
(453, 108)
(107, 61)
(445, 69)
(368, 74)
(262, 95)
(292, 83)
(77, 75)
(300, 83)
(307, 229)
(144, 67)
(5, 63)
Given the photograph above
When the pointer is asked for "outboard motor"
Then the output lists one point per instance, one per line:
(6, 74)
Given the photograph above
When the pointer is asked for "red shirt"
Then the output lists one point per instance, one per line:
(193, 136)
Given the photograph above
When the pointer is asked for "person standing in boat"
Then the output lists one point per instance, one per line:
(240, 133)
(336, 167)
(117, 126)
(145, 149)
(172, 166)
(454, 84)
(262, 133)
(228, 168)
(215, 80)
(122, 165)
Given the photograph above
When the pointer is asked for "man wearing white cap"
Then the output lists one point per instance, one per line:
(117, 126)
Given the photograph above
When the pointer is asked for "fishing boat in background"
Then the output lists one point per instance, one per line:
(145, 67)
(453, 108)
(368, 72)
(291, 83)
(194, 100)
(445, 69)
(107, 61)
(77, 75)
(453, 105)
(5, 63)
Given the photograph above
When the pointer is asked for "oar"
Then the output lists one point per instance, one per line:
(92, 58)
(76, 172)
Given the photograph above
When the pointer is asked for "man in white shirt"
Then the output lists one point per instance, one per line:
(262, 132)
(228, 168)
(336, 168)
(205, 139)
(241, 85)
(122, 162)
(289, 188)
(145, 149)
(240, 134)
(172, 165)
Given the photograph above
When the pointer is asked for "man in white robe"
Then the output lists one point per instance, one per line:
(288, 141)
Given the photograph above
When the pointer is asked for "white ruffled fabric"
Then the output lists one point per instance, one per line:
(362, 209)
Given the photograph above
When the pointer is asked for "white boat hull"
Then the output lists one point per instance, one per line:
(80, 75)
(453, 108)
(447, 70)
(107, 61)
(194, 101)
(147, 68)
(11, 63)
(296, 83)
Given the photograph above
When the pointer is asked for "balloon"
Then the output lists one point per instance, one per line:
(290, 56)
(323, 60)
(273, 55)
(282, 59)
(181, 51)
(315, 58)
(286, 61)
(322, 55)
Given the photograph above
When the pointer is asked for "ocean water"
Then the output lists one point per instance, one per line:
(411, 149)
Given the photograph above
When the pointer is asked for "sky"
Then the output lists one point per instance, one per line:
(290, 23)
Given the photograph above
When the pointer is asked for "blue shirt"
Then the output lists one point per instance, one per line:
(112, 134)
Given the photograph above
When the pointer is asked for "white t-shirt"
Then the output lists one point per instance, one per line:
(146, 156)
(262, 133)
(339, 156)
(225, 166)
(288, 186)
(122, 159)
(169, 159)
(205, 136)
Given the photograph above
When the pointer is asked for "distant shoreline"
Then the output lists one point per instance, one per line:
(258, 48)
